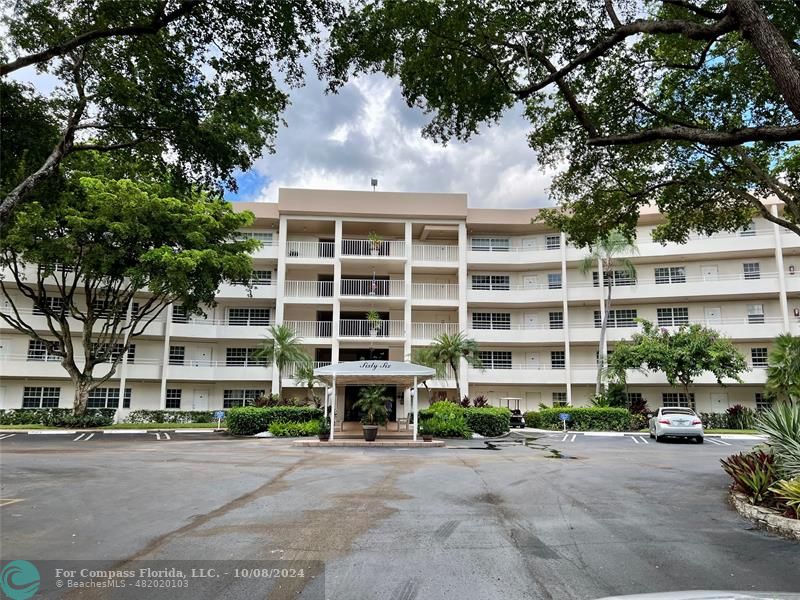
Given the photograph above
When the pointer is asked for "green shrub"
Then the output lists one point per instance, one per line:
(714, 420)
(294, 428)
(249, 420)
(582, 419)
(488, 422)
(437, 426)
(740, 417)
(753, 474)
(57, 417)
(171, 416)
(781, 424)
(788, 491)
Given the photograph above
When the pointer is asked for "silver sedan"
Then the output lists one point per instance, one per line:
(676, 422)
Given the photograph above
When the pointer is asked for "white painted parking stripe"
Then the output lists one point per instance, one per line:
(90, 436)
(573, 437)
(644, 440)
(79, 437)
(635, 441)
(720, 442)
(5, 437)
(716, 442)
(564, 439)
(158, 436)
(166, 435)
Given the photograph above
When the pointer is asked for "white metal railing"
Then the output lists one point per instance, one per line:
(308, 329)
(79, 358)
(428, 331)
(289, 371)
(434, 291)
(308, 289)
(704, 322)
(435, 252)
(392, 248)
(520, 367)
(687, 279)
(373, 287)
(307, 249)
(364, 328)
(513, 327)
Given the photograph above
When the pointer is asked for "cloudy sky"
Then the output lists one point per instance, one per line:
(366, 130)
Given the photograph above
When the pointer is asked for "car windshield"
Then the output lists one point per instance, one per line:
(677, 411)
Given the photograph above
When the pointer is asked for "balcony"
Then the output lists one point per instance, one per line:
(373, 288)
(312, 330)
(698, 246)
(734, 328)
(587, 374)
(520, 374)
(258, 290)
(434, 294)
(308, 291)
(219, 370)
(513, 294)
(426, 332)
(435, 255)
(310, 252)
(361, 328)
(20, 366)
(267, 249)
(38, 322)
(514, 256)
(229, 328)
(289, 372)
(517, 334)
(383, 249)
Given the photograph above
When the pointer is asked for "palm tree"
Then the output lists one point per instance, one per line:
(610, 252)
(783, 370)
(424, 356)
(448, 350)
(282, 348)
(372, 404)
(304, 375)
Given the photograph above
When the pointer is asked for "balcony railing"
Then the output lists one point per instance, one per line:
(306, 249)
(434, 291)
(290, 371)
(308, 289)
(373, 287)
(435, 252)
(429, 331)
(310, 329)
(686, 279)
(751, 320)
(391, 248)
(364, 328)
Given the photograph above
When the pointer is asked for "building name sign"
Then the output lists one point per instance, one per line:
(372, 365)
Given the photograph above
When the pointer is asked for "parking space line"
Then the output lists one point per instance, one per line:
(574, 435)
(635, 441)
(166, 435)
(643, 439)
(7, 501)
(90, 436)
(77, 439)
(717, 442)
(564, 439)
(5, 437)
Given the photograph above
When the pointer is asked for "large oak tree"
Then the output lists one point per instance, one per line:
(693, 105)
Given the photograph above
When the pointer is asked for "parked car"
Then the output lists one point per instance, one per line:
(676, 422)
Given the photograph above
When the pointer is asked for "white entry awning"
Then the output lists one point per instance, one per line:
(375, 372)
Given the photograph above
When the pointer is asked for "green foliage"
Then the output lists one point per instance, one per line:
(781, 424)
(753, 474)
(440, 426)
(740, 417)
(372, 404)
(294, 428)
(171, 416)
(488, 422)
(283, 347)
(448, 350)
(788, 490)
(783, 370)
(57, 417)
(249, 420)
(583, 419)
(681, 355)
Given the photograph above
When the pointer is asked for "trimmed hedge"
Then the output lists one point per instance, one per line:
(57, 417)
(294, 428)
(449, 416)
(488, 422)
(583, 419)
(171, 416)
(249, 420)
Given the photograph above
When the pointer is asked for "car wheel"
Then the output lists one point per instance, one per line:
(657, 437)
(699, 439)
(651, 435)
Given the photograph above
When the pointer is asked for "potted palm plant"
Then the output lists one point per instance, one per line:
(374, 243)
(374, 320)
(372, 404)
(324, 429)
(426, 430)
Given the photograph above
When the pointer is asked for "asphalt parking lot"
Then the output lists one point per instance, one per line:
(546, 516)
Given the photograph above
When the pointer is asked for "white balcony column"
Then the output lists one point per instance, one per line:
(781, 272)
(337, 291)
(280, 276)
(407, 333)
(601, 280)
(123, 370)
(565, 323)
(462, 301)
(162, 401)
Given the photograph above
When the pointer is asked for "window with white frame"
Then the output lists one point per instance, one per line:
(485, 320)
(179, 314)
(755, 313)
(177, 355)
(261, 277)
(552, 242)
(748, 230)
(672, 317)
(670, 275)
(751, 270)
(264, 237)
(615, 278)
(40, 397)
(233, 398)
(491, 282)
(634, 398)
(38, 350)
(619, 317)
(243, 357)
(677, 400)
(556, 319)
(554, 281)
(559, 398)
(495, 359)
(759, 357)
(491, 244)
(173, 398)
(558, 359)
(54, 305)
(108, 397)
(248, 316)
(112, 352)
(763, 402)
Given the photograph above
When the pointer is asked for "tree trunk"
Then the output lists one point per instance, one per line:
(603, 328)
(82, 387)
(458, 384)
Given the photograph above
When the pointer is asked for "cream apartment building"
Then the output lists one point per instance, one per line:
(428, 264)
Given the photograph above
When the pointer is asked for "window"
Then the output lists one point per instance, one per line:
(231, 398)
(261, 278)
(554, 281)
(669, 317)
(557, 320)
(759, 356)
(248, 316)
(620, 317)
(677, 399)
(179, 314)
(755, 313)
(108, 397)
(109, 355)
(37, 350)
(670, 274)
(41, 397)
(635, 398)
(748, 230)
(616, 278)
(54, 305)
(557, 359)
(177, 355)
(243, 357)
(763, 402)
(495, 359)
(552, 242)
(491, 282)
(491, 320)
(264, 238)
(559, 398)
(488, 244)
(752, 270)
(173, 399)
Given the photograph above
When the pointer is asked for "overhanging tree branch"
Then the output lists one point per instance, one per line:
(734, 137)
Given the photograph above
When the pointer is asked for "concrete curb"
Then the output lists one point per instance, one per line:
(766, 518)
(363, 444)
(136, 431)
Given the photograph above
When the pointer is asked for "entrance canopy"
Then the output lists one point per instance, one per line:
(374, 372)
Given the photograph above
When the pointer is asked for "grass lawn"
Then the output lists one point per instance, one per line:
(163, 425)
(730, 431)
(29, 427)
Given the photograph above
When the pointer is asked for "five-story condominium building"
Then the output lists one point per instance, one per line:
(425, 264)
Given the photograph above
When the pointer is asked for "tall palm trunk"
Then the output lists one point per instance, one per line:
(458, 383)
(603, 331)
